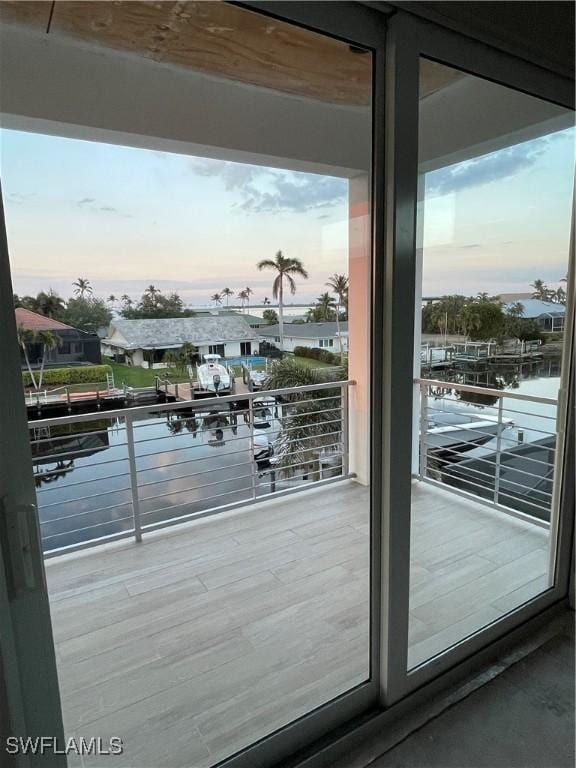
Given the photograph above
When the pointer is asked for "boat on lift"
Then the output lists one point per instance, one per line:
(214, 376)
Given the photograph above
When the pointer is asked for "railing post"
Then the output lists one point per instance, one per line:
(133, 476)
(423, 429)
(254, 468)
(498, 450)
(344, 395)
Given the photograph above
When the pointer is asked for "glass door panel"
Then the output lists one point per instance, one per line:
(207, 544)
(496, 171)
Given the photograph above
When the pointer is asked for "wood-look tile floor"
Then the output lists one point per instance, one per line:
(210, 635)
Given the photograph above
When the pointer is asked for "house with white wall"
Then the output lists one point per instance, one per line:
(316, 335)
(145, 342)
(548, 316)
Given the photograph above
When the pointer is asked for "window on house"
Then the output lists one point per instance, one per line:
(216, 349)
(326, 342)
(245, 347)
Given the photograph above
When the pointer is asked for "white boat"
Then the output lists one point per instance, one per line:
(459, 431)
(213, 376)
(267, 426)
(257, 379)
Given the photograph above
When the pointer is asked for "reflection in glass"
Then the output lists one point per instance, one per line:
(494, 216)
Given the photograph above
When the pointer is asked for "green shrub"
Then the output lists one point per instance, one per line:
(82, 374)
(314, 353)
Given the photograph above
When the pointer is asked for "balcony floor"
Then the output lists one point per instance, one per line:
(212, 634)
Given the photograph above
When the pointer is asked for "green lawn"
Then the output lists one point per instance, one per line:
(134, 376)
(308, 362)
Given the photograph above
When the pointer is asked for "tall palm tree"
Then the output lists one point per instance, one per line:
(216, 298)
(559, 295)
(325, 308)
(227, 292)
(82, 287)
(242, 296)
(248, 292)
(111, 299)
(49, 341)
(125, 299)
(26, 337)
(541, 290)
(339, 285)
(286, 269)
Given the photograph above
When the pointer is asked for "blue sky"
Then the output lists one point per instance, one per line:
(126, 217)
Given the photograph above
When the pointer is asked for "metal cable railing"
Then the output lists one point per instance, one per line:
(494, 445)
(108, 475)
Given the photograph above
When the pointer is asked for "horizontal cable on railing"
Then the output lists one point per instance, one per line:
(490, 492)
(225, 480)
(502, 451)
(84, 498)
(86, 528)
(86, 512)
(89, 511)
(248, 488)
(502, 480)
(230, 466)
(484, 391)
(132, 414)
(79, 482)
(247, 437)
(80, 452)
(69, 436)
(484, 460)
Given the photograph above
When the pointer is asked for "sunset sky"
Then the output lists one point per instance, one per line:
(125, 218)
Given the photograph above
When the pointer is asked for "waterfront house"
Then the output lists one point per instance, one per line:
(74, 347)
(548, 315)
(314, 335)
(145, 342)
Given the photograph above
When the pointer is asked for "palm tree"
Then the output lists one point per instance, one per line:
(83, 287)
(242, 296)
(248, 292)
(125, 299)
(227, 292)
(559, 296)
(339, 285)
(188, 353)
(216, 298)
(286, 269)
(324, 311)
(311, 421)
(49, 304)
(541, 290)
(266, 301)
(111, 299)
(26, 337)
(516, 309)
(49, 341)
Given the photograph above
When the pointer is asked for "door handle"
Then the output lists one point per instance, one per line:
(17, 535)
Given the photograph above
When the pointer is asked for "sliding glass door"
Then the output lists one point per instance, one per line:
(202, 468)
(482, 249)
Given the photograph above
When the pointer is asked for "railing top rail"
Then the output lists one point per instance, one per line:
(500, 393)
(210, 402)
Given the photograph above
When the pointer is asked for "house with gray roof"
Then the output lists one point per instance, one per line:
(549, 316)
(145, 342)
(316, 335)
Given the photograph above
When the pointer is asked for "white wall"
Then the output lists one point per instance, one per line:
(290, 342)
